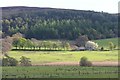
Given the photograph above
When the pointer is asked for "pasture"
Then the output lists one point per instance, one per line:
(38, 57)
(105, 42)
(60, 72)
(42, 57)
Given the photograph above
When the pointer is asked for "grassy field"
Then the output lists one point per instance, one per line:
(38, 57)
(60, 72)
(63, 56)
(105, 42)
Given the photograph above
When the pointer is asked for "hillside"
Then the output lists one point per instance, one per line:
(50, 23)
(105, 42)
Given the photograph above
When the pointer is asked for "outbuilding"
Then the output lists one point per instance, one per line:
(81, 48)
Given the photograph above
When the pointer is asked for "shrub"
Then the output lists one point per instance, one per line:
(5, 62)
(102, 49)
(24, 61)
(9, 61)
(85, 62)
(13, 61)
(111, 45)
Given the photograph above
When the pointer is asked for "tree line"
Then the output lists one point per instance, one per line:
(34, 44)
(18, 42)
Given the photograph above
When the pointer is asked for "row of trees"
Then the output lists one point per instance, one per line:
(22, 43)
(33, 44)
(17, 41)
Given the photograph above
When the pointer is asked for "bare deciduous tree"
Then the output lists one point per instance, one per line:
(81, 40)
(6, 45)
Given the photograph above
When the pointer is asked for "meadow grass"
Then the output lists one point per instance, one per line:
(38, 57)
(60, 72)
(105, 42)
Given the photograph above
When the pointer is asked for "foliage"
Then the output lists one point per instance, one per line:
(16, 39)
(9, 61)
(23, 43)
(6, 44)
(17, 36)
(24, 61)
(111, 46)
(43, 23)
(102, 49)
(81, 40)
(20, 42)
(85, 62)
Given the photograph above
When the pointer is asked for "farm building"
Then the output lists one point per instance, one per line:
(79, 48)
(91, 45)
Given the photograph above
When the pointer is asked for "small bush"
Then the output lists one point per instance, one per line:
(85, 62)
(24, 61)
(102, 49)
(5, 62)
(13, 61)
(9, 61)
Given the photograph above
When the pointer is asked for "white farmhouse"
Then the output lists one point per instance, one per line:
(91, 45)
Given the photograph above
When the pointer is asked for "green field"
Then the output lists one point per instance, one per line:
(105, 42)
(60, 72)
(38, 57)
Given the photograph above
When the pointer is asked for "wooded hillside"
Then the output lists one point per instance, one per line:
(49, 23)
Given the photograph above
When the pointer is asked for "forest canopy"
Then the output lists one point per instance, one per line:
(49, 23)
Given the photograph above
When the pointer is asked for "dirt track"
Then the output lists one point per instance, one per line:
(105, 63)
